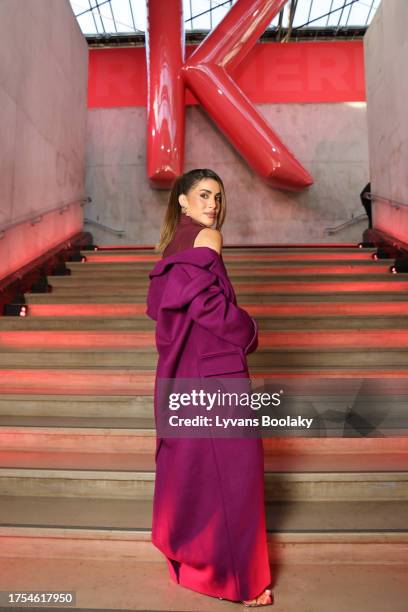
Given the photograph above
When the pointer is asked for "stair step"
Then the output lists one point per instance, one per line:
(279, 486)
(28, 411)
(386, 407)
(325, 518)
(263, 360)
(380, 307)
(144, 323)
(262, 270)
(261, 267)
(327, 322)
(62, 284)
(273, 263)
(390, 284)
(121, 434)
(76, 407)
(262, 298)
(148, 248)
(125, 415)
(309, 283)
(386, 550)
(233, 259)
(325, 304)
(101, 323)
(25, 423)
(245, 250)
(239, 255)
(269, 341)
(310, 572)
(236, 269)
(77, 381)
(335, 358)
(391, 418)
(116, 451)
(138, 381)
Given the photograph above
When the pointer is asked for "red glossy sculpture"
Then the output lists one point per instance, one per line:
(206, 73)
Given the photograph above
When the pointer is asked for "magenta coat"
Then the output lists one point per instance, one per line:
(208, 507)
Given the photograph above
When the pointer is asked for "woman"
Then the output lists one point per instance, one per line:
(208, 507)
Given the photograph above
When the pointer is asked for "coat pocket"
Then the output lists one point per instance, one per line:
(222, 363)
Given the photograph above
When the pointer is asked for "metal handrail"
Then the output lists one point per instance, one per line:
(105, 227)
(38, 216)
(371, 196)
(394, 203)
(352, 221)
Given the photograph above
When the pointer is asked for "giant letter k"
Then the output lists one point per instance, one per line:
(206, 74)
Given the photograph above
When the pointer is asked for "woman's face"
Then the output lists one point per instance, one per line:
(203, 201)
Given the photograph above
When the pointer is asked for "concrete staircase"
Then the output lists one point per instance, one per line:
(77, 431)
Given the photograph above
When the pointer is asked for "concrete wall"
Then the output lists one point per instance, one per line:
(386, 59)
(43, 101)
(329, 139)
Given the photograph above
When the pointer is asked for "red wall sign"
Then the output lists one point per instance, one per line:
(313, 72)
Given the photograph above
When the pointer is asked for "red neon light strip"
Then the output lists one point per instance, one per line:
(322, 256)
(328, 308)
(292, 287)
(137, 382)
(294, 309)
(328, 339)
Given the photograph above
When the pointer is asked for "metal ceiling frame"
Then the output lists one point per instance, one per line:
(280, 32)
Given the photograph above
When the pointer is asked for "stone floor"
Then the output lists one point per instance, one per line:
(131, 585)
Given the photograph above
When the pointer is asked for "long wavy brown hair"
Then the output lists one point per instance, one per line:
(183, 184)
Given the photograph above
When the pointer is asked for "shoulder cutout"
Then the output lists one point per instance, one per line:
(209, 237)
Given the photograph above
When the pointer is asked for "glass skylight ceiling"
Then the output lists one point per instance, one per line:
(129, 16)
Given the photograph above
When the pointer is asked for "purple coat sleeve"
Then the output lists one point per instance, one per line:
(209, 307)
